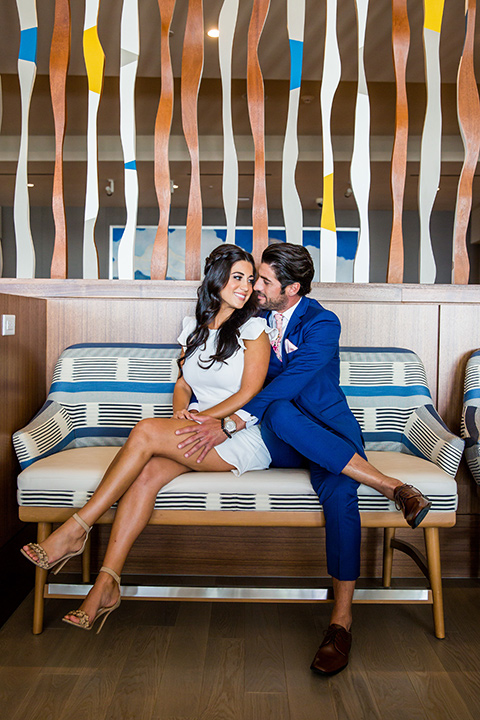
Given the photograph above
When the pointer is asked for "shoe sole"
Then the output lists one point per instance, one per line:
(327, 674)
(420, 516)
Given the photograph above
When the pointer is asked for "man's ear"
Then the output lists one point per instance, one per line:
(292, 289)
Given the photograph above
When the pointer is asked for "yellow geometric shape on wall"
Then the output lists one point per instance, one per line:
(94, 59)
(433, 14)
(328, 213)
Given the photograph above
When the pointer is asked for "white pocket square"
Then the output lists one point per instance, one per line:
(289, 346)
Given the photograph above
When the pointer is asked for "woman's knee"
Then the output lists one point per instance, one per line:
(146, 432)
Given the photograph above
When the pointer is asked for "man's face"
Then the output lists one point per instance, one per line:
(269, 291)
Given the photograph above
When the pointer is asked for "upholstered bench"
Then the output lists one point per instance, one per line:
(100, 391)
(470, 425)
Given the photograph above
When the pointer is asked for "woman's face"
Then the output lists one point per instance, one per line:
(239, 286)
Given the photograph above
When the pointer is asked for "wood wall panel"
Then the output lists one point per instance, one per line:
(76, 320)
(22, 392)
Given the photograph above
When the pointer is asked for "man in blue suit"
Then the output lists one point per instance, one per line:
(305, 418)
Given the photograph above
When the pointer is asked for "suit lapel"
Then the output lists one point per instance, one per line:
(294, 323)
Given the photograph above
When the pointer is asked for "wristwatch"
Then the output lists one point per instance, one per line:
(229, 426)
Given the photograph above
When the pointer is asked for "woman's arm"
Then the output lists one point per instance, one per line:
(182, 393)
(256, 359)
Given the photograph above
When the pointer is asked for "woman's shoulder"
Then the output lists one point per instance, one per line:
(188, 326)
(253, 328)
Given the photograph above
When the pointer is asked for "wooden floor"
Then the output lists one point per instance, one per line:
(186, 661)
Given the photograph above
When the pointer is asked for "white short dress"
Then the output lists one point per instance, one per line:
(246, 449)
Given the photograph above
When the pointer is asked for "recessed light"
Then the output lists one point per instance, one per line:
(213, 33)
(245, 199)
(30, 184)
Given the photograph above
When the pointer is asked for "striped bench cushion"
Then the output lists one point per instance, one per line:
(69, 478)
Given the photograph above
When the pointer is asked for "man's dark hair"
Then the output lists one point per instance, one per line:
(291, 264)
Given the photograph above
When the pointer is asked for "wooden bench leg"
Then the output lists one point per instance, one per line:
(388, 536)
(86, 558)
(432, 545)
(43, 531)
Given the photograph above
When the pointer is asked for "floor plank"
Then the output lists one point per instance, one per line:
(47, 698)
(264, 667)
(266, 706)
(307, 692)
(228, 620)
(439, 696)
(137, 686)
(222, 695)
(181, 682)
(15, 684)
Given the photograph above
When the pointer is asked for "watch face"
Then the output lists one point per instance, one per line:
(230, 425)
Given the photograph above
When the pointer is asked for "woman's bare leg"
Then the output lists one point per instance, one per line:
(133, 513)
(154, 436)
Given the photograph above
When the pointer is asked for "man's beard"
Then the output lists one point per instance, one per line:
(279, 304)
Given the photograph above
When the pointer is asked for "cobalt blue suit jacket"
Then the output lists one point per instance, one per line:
(310, 374)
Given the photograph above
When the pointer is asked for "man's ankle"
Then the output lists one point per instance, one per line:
(345, 622)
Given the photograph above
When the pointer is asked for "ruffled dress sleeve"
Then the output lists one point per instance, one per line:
(188, 326)
(253, 328)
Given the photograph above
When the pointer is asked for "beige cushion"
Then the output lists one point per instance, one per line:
(81, 469)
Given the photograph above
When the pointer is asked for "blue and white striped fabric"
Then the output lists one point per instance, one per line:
(387, 391)
(470, 426)
(99, 392)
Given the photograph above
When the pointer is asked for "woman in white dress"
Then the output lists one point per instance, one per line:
(224, 363)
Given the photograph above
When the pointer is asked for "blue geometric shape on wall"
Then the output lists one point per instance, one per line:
(296, 58)
(28, 45)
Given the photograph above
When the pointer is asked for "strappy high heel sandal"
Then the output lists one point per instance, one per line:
(42, 557)
(83, 619)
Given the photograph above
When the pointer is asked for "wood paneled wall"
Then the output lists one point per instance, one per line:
(22, 392)
(440, 323)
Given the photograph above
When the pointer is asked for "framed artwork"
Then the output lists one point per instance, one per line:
(347, 241)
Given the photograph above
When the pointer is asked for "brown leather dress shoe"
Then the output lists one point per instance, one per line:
(413, 504)
(332, 655)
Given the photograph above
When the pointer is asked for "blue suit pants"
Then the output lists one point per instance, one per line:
(295, 440)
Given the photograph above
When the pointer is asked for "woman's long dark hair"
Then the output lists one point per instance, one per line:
(218, 266)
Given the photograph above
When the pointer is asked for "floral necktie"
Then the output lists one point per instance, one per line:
(277, 342)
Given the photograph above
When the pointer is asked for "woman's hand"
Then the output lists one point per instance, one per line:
(184, 414)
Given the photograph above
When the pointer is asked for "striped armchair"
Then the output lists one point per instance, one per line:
(470, 425)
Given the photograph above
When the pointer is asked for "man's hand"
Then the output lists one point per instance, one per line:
(203, 438)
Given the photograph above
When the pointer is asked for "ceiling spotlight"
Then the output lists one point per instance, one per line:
(173, 186)
(110, 187)
(213, 33)
(348, 192)
(30, 184)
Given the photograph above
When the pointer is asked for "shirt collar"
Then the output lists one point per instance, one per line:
(286, 315)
